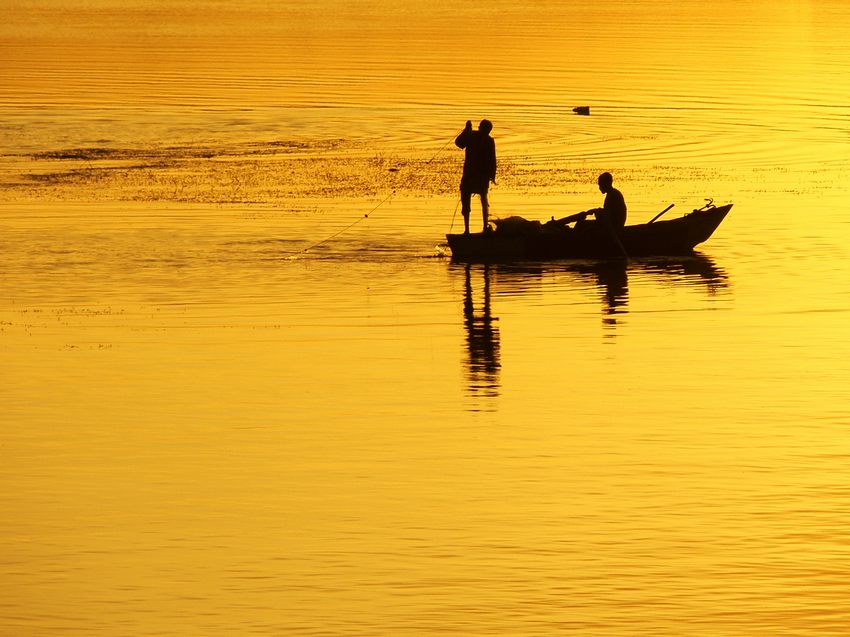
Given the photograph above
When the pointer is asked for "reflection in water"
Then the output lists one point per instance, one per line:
(482, 337)
(609, 278)
(696, 269)
(613, 282)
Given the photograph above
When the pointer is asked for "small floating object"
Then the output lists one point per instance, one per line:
(582, 110)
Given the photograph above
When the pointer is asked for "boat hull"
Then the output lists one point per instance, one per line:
(662, 238)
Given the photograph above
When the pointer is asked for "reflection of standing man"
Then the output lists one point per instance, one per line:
(479, 168)
(482, 339)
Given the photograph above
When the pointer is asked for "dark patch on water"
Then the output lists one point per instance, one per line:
(250, 173)
(104, 153)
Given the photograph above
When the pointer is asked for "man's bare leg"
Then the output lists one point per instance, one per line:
(485, 210)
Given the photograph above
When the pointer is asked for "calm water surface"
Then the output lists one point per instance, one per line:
(245, 390)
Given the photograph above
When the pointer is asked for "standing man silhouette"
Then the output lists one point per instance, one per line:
(479, 168)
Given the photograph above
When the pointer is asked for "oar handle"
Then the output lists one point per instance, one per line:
(575, 217)
(662, 212)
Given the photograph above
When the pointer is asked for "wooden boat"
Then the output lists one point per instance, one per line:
(532, 240)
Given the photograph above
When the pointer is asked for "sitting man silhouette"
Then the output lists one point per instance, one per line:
(613, 210)
(479, 168)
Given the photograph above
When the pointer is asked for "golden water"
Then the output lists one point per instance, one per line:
(234, 404)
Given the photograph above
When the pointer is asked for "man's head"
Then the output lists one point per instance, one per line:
(605, 182)
(485, 126)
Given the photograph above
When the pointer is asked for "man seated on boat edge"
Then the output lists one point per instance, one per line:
(613, 210)
(611, 217)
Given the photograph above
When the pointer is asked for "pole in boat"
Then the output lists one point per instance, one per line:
(569, 219)
(613, 233)
(661, 213)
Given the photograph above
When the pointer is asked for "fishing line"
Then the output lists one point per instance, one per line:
(348, 227)
(318, 243)
(381, 203)
(441, 149)
(454, 214)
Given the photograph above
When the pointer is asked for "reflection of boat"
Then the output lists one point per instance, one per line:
(611, 277)
(557, 241)
(608, 279)
(695, 269)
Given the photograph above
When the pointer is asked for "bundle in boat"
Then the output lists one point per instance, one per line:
(516, 226)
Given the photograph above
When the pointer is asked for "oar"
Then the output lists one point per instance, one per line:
(662, 212)
(565, 220)
(581, 215)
